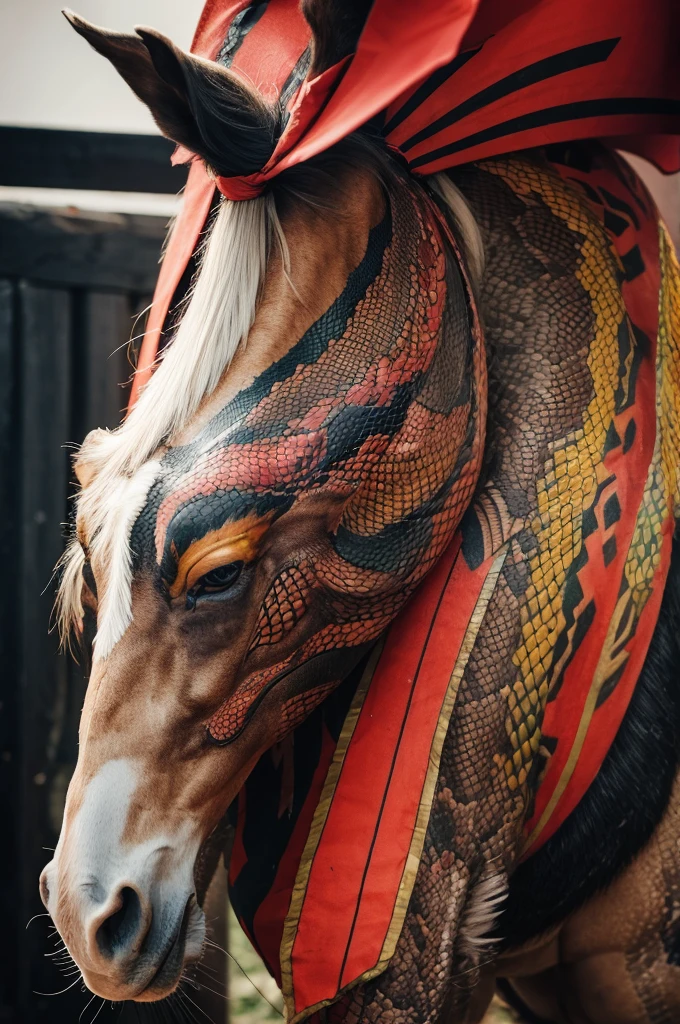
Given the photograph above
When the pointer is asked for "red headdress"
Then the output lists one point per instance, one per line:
(453, 81)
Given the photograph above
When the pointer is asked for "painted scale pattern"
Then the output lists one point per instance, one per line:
(563, 377)
(576, 478)
(586, 491)
(377, 411)
(668, 386)
(570, 373)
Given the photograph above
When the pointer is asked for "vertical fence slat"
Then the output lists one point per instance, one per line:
(44, 375)
(9, 747)
(106, 324)
(60, 376)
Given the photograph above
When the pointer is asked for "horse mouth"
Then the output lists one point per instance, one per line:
(171, 965)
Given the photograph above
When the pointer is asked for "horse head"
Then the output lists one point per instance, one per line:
(298, 462)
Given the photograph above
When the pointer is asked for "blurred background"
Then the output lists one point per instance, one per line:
(86, 194)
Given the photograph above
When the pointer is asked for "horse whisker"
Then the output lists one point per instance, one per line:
(186, 995)
(88, 1003)
(35, 918)
(213, 991)
(98, 1011)
(60, 993)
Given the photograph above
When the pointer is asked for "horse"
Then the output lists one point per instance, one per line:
(328, 414)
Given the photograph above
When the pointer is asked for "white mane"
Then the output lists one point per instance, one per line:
(117, 468)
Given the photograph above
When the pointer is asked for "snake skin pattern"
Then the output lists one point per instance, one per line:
(562, 370)
(376, 418)
(299, 521)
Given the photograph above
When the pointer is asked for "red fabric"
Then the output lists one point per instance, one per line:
(241, 188)
(268, 921)
(397, 50)
(562, 54)
(349, 882)
(630, 92)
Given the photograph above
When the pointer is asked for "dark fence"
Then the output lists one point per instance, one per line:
(43, 157)
(73, 286)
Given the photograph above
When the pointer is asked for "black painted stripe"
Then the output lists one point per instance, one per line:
(542, 70)
(238, 29)
(311, 345)
(429, 86)
(295, 80)
(584, 109)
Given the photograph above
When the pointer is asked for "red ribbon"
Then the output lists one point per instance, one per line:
(241, 187)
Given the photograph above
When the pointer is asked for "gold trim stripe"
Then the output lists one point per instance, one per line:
(424, 809)
(425, 806)
(316, 830)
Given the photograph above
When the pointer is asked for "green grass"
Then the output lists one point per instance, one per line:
(246, 1005)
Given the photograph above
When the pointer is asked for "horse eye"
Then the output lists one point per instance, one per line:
(219, 579)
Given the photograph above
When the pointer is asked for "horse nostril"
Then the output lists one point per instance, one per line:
(119, 931)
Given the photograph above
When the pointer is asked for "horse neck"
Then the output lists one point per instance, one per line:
(325, 240)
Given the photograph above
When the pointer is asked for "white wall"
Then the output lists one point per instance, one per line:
(49, 76)
(665, 189)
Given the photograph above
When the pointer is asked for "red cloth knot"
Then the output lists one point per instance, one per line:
(241, 187)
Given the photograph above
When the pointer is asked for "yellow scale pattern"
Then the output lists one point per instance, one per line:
(668, 408)
(573, 472)
(661, 486)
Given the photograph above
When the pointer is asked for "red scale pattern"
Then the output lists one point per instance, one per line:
(284, 606)
(386, 421)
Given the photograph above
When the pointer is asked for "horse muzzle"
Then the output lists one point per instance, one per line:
(125, 909)
(128, 943)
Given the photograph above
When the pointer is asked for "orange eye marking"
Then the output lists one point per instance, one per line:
(233, 542)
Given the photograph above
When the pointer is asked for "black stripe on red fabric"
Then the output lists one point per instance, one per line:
(616, 106)
(392, 766)
(429, 86)
(540, 71)
(266, 833)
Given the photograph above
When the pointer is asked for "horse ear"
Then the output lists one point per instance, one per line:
(195, 102)
(336, 26)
